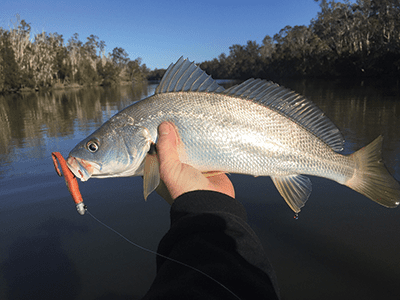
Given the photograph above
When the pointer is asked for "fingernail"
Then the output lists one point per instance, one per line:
(164, 129)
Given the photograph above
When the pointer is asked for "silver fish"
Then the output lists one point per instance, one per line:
(257, 128)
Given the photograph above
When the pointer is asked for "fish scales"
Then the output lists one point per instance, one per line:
(233, 135)
(256, 128)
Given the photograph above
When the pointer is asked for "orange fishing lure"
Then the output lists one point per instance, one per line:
(70, 181)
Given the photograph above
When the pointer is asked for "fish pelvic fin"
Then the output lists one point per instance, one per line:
(162, 190)
(152, 181)
(371, 178)
(295, 189)
(151, 174)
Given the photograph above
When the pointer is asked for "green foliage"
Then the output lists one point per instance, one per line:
(156, 74)
(86, 74)
(46, 61)
(109, 73)
(10, 72)
(119, 57)
(136, 71)
(346, 39)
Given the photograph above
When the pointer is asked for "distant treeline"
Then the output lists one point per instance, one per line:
(359, 39)
(46, 61)
(345, 39)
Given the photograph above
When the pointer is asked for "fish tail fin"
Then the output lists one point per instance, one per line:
(371, 178)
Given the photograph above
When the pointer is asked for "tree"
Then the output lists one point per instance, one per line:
(61, 66)
(91, 46)
(19, 38)
(267, 48)
(9, 66)
(119, 57)
(73, 47)
(245, 61)
(108, 72)
(135, 71)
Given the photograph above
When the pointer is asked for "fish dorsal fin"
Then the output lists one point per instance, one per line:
(292, 105)
(185, 76)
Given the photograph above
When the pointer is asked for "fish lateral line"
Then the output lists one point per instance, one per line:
(70, 181)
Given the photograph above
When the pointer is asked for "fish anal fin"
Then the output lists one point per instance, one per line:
(151, 174)
(295, 189)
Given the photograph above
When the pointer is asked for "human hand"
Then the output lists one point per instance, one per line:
(180, 178)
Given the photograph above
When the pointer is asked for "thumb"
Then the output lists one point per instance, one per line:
(167, 143)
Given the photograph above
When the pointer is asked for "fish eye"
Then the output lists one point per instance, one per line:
(92, 146)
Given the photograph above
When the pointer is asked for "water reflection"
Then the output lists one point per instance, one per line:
(27, 118)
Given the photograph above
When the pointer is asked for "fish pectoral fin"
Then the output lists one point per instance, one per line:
(151, 174)
(295, 189)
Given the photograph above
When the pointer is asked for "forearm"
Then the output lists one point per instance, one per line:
(209, 232)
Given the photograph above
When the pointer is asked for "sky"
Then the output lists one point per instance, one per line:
(161, 31)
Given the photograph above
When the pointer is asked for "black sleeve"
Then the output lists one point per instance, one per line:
(209, 232)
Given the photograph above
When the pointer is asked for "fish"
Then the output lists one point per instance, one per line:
(256, 128)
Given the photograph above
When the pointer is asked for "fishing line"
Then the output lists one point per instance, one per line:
(163, 256)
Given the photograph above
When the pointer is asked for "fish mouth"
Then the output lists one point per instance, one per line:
(81, 168)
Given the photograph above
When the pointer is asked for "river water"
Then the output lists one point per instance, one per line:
(343, 246)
